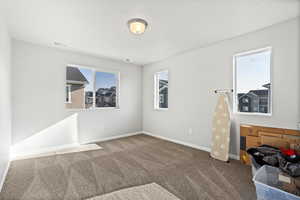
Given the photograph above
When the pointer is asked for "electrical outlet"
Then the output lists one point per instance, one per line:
(190, 131)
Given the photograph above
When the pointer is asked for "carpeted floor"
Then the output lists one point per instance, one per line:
(187, 173)
(150, 191)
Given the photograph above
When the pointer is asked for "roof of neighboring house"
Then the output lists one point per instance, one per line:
(106, 91)
(249, 94)
(74, 75)
(163, 82)
(260, 92)
(254, 93)
(163, 89)
(268, 85)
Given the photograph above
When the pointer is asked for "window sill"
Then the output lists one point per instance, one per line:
(253, 114)
(161, 109)
(92, 109)
(106, 108)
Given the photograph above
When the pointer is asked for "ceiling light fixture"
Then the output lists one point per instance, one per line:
(137, 26)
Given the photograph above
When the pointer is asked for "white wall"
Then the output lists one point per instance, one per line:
(38, 92)
(5, 106)
(61, 135)
(195, 74)
(38, 95)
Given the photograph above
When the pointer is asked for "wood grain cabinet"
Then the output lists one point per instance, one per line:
(254, 136)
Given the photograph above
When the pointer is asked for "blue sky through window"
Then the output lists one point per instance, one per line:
(252, 71)
(163, 75)
(103, 79)
(88, 74)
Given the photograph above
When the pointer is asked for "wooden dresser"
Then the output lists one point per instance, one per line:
(253, 136)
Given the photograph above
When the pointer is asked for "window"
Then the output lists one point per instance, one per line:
(88, 88)
(253, 82)
(106, 89)
(68, 94)
(161, 98)
(161, 90)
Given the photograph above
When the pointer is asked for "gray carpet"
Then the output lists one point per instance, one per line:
(188, 173)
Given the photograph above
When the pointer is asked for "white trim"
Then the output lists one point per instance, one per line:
(75, 149)
(106, 108)
(234, 156)
(161, 109)
(37, 152)
(253, 51)
(235, 104)
(254, 114)
(91, 109)
(4, 175)
(202, 148)
(155, 89)
(76, 82)
(50, 150)
(93, 68)
(112, 137)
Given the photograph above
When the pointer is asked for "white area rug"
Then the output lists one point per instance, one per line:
(79, 148)
(150, 191)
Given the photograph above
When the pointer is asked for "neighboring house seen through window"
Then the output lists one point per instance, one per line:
(88, 88)
(161, 90)
(106, 89)
(253, 82)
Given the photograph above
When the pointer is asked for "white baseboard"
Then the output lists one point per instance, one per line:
(57, 148)
(41, 151)
(202, 148)
(234, 156)
(113, 137)
(4, 176)
(50, 150)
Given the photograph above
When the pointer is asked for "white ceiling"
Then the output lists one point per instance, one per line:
(99, 26)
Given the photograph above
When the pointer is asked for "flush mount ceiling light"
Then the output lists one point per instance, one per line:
(137, 26)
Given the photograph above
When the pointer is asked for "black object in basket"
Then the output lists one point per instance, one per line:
(292, 159)
(268, 155)
(264, 155)
(291, 168)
